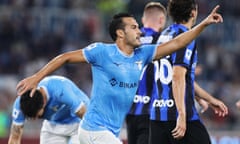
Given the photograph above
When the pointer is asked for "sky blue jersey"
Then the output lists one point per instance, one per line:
(64, 99)
(115, 80)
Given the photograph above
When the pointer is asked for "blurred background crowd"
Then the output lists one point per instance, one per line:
(34, 31)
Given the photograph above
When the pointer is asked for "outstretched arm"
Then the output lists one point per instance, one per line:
(218, 106)
(32, 81)
(183, 39)
(15, 134)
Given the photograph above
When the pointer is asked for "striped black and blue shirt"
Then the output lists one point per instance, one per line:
(163, 107)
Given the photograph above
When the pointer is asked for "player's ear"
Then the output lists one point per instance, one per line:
(194, 13)
(120, 33)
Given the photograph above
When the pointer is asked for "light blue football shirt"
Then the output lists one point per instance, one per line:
(64, 99)
(115, 80)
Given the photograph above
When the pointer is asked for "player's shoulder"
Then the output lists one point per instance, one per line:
(17, 102)
(53, 82)
(54, 78)
(179, 28)
(101, 47)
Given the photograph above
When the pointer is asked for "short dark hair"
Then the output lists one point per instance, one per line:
(117, 23)
(180, 10)
(30, 106)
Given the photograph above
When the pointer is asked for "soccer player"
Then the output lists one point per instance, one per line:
(174, 118)
(59, 102)
(137, 121)
(116, 69)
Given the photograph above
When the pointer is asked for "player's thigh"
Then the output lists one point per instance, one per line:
(137, 129)
(50, 138)
(74, 139)
(143, 138)
(131, 129)
(59, 132)
(159, 132)
(197, 133)
(97, 137)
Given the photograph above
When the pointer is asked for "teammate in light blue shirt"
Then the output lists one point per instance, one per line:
(59, 102)
(116, 87)
(116, 69)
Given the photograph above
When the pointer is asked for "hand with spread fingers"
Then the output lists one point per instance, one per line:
(29, 83)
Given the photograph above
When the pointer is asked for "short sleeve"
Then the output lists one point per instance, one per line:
(17, 115)
(92, 52)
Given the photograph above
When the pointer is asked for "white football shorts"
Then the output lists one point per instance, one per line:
(59, 133)
(97, 137)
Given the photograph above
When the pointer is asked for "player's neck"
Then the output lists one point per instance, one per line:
(125, 48)
(187, 24)
(153, 26)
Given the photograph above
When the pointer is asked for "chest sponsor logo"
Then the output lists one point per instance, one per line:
(141, 99)
(127, 85)
(163, 103)
(114, 82)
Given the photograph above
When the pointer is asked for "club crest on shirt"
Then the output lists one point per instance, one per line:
(139, 64)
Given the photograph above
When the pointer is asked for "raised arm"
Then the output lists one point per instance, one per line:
(15, 134)
(183, 39)
(32, 81)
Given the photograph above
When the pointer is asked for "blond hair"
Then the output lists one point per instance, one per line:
(154, 5)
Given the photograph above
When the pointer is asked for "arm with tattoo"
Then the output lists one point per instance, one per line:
(15, 134)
